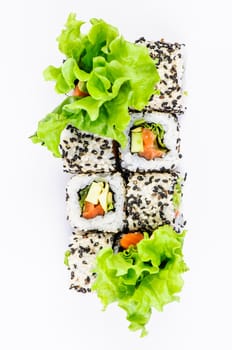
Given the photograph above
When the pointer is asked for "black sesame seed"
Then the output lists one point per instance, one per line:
(87, 280)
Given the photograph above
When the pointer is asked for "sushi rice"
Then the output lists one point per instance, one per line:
(168, 58)
(149, 201)
(83, 250)
(84, 152)
(112, 221)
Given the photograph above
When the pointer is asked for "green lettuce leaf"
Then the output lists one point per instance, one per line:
(116, 74)
(49, 129)
(143, 277)
(79, 113)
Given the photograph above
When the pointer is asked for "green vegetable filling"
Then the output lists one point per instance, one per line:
(142, 277)
(66, 256)
(177, 195)
(82, 196)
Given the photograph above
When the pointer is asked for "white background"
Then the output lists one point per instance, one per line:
(37, 310)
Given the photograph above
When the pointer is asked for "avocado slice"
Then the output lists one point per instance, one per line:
(110, 204)
(94, 192)
(138, 129)
(136, 140)
(103, 197)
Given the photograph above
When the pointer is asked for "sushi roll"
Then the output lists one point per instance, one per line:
(152, 200)
(84, 152)
(96, 202)
(153, 143)
(81, 255)
(168, 58)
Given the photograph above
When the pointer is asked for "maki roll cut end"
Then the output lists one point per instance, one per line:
(96, 202)
(153, 143)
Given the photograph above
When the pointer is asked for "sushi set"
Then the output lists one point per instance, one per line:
(118, 134)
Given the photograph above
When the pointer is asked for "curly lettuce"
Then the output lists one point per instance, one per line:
(115, 73)
(142, 277)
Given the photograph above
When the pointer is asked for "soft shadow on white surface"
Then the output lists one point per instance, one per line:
(38, 311)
